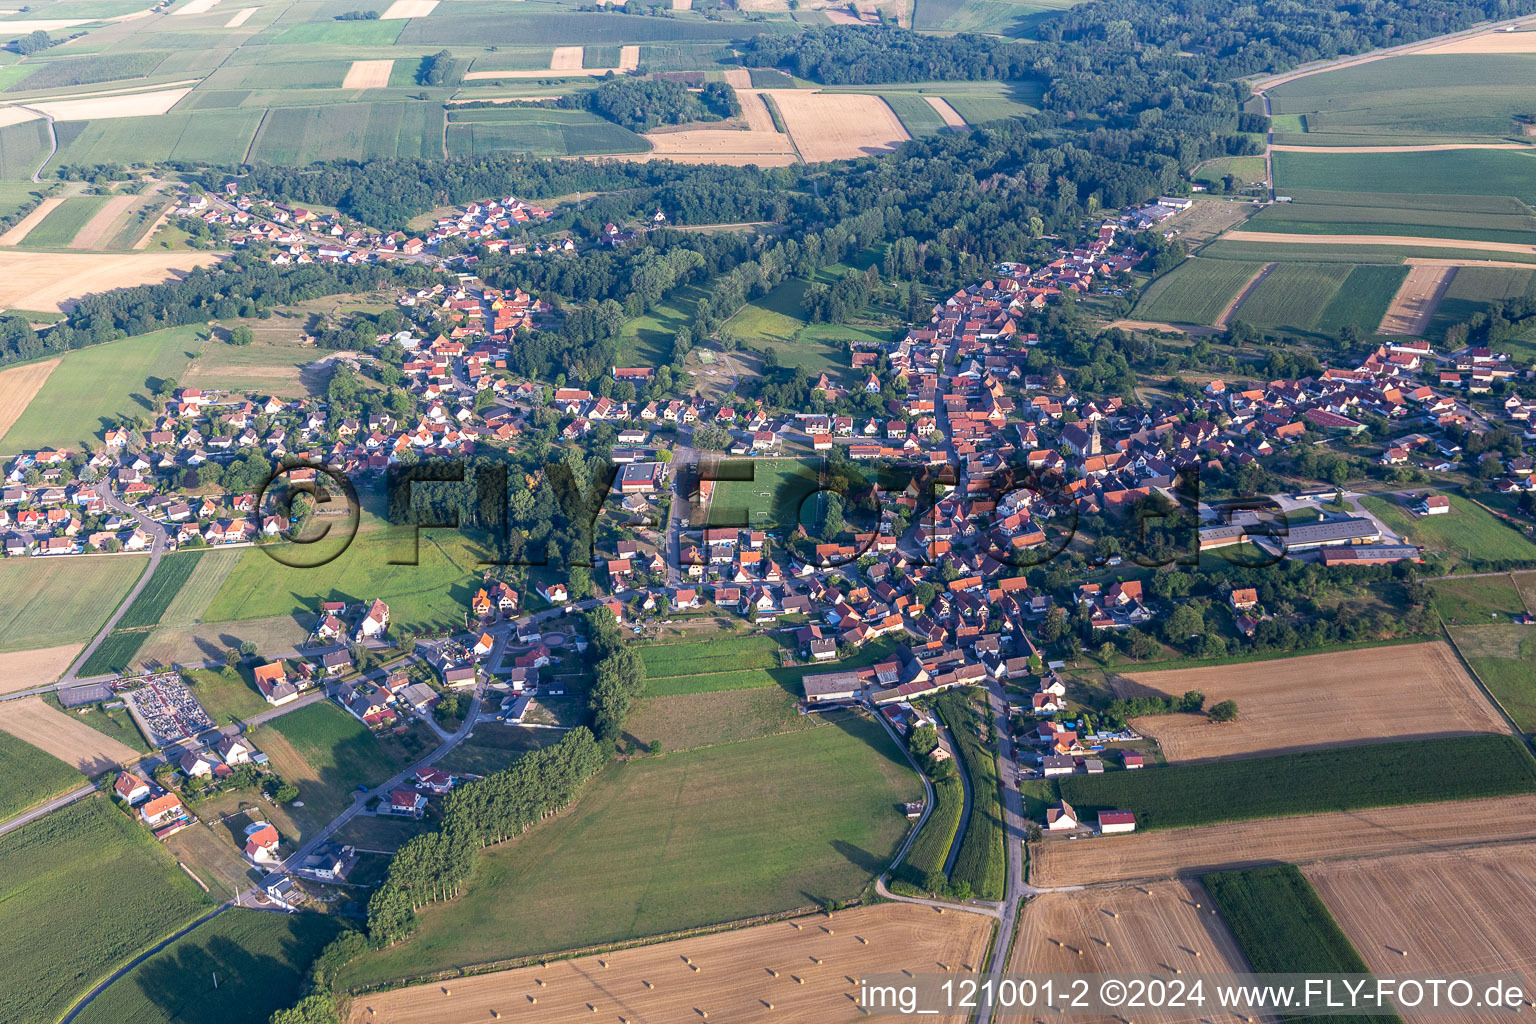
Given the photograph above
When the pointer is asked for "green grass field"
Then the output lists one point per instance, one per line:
(213, 568)
(228, 694)
(327, 753)
(1195, 292)
(1467, 535)
(1292, 295)
(1492, 172)
(1014, 18)
(1282, 925)
(260, 960)
(65, 602)
(692, 720)
(32, 776)
(1476, 600)
(537, 131)
(1504, 658)
(14, 195)
(84, 890)
(721, 654)
(916, 114)
(681, 840)
(711, 678)
(1444, 94)
(493, 746)
(1473, 289)
(341, 33)
(116, 653)
(772, 497)
(982, 862)
(1247, 168)
(148, 609)
(1407, 218)
(59, 228)
(1334, 779)
(23, 148)
(431, 594)
(94, 387)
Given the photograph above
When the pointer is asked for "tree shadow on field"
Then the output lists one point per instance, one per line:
(869, 863)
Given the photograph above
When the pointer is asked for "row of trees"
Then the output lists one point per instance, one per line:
(434, 865)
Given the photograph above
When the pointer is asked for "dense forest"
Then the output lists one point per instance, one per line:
(641, 104)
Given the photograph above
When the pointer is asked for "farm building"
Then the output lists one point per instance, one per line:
(1061, 818)
(1116, 821)
(1433, 505)
(826, 687)
(1353, 530)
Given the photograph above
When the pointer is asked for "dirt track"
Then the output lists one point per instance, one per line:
(1225, 316)
(773, 972)
(1319, 700)
(1127, 929)
(1427, 243)
(1416, 301)
(1315, 837)
(1464, 912)
(60, 735)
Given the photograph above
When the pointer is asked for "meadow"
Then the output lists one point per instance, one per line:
(1249, 169)
(1013, 18)
(683, 840)
(93, 388)
(493, 746)
(61, 226)
(32, 776)
(1466, 537)
(326, 753)
(1474, 289)
(1415, 96)
(705, 656)
(1476, 600)
(1334, 779)
(693, 720)
(69, 922)
(982, 863)
(429, 595)
(228, 694)
(1493, 172)
(1504, 658)
(65, 603)
(260, 960)
(789, 679)
(1195, 292)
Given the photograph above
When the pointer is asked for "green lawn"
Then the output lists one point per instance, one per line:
(1478, 600)
(61, 601)
(692, 720)
(677, 841)
(431, 594)
(95, 387)
(711, 679)
(228, 694)
(1464, 537)
(647, 340)
(326, 753)
(32, 776)
(770, 492)
(260, 960)
(84, 889)
(1335, 779)
(1283, 926)
(720, 654)
(1249, 169)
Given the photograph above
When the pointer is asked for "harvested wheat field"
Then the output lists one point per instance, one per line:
(1488, 42)
(137, 104)
(1416, 301)
(800, 970)
(1313, 837)
(15, 115)
(368, 74)
(60, 735)
(99, 228)
(18, 386)
(721, 146)
(566, 58)
(838, 126)
(30, 280)
(241, 17)
(26, 224)
(22, 670)
(1451, 913)
(629, 57)
(196, 7)
(950, 115)
(755, 111)
(1392, 240)
(1320, 700)
(402, 9)
(1127, 929)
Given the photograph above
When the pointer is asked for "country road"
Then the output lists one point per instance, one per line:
(47, 808)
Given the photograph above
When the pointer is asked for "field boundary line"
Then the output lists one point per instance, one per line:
(251, 146)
